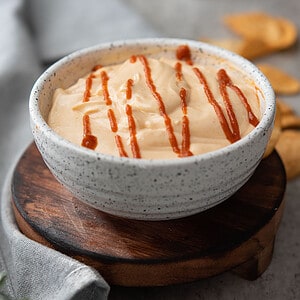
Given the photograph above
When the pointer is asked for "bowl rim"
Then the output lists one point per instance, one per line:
(267, 118)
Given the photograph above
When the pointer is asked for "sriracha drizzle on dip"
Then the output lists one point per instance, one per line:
(158, 107)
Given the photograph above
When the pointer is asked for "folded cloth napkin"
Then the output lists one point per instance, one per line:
(35, 271)
(32, 33)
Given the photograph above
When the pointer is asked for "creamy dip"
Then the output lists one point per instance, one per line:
(158, 108)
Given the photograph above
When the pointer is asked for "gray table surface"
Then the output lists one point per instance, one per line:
(196, 19)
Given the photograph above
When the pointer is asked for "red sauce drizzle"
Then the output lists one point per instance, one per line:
(231, 136)
(185, 132)
(111, 115)
(133, 59)
(182, 94)
(224, 82)
(112, 120)
(88, 86)
(185, 147)
(132, 131)
(89, 140)
(186, 136)
(105, 79)
(178, 71)
(129, 85)
(96, 67)
(131, 123)
(183, 53)
(161, 106)
(120, 146)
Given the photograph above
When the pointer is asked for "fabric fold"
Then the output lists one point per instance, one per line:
(35, 271)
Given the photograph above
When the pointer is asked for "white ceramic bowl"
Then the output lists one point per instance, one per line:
(140, 188)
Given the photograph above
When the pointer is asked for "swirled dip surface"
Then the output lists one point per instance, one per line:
(158, 107)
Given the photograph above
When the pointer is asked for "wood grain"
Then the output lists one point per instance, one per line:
(236, 235)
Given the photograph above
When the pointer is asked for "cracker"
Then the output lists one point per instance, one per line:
(290, 121)
(254, 48)
(288, 147)
(281, 82)
(277, 33)
(247, 48)
(285, 109)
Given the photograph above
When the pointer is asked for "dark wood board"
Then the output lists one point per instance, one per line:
(237, 235)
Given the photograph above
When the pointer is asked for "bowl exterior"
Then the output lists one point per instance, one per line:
(164, 192)
(140, 189)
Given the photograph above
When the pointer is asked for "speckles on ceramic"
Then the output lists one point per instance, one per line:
(139, 188)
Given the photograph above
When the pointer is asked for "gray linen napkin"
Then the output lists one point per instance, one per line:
(38, 272)
(33, 32)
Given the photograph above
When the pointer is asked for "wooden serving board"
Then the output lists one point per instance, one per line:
(237, 235)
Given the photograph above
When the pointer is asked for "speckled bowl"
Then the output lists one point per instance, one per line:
(140, 188)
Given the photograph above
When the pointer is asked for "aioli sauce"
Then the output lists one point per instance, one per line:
(226, 116)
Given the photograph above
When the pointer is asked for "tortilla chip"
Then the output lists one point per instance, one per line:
(288, 147)
(254, 48)
(247, 48)
(288, 33)
(276, 132)
(277, 33)
(281, 82)
(285, 109)
(290, 121)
